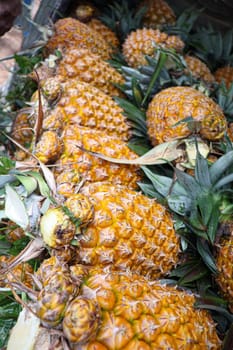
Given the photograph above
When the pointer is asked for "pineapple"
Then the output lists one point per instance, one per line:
(158, 13)
(142, 42)
(224, 74)
(198, 69)
(89, 167)
(70, 32)
(128, 231)
(224, 262)
(90, 68)
(123, 311)
(79, 103)
(21, 273)
(84, 11)
(21, 130)
(108, 35)
(174, 104)
(204, 201)
(49, 147)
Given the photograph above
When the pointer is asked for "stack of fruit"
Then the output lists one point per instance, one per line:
(134, 248)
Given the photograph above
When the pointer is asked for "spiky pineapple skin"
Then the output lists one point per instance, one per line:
(90, 68)
(83, 104)
(135, 314)
(224, 262)
(70, 32)
(158, 13)
(144, 41)
(77, 142)
(19, 274)
(224, 74)
(49, 147)
(128, 231)
(108, 35)
(174, 104)
(198, 69)
(21, 130)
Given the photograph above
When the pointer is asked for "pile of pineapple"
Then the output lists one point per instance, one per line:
(130, 126)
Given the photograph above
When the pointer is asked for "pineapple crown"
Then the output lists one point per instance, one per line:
(122, 18)
(212, 46)
(200, 201)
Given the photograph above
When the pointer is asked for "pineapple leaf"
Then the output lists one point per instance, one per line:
(207, 257)
(205, 205)
(222, 182)
(28, 182)
(191, 186)
(179, 204)
(213, 223)
(218, 168)
(15, 209)
(202, 171)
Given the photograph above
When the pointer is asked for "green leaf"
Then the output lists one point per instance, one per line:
(15, 209)
(205, 204)
(179, 204)
(206, 255)
(213, 223)
(189, 183)
(222, 182)
(44, 189)
(162, 184)
(6, 164)
(202, 171)
(218, 168)
(28, 182)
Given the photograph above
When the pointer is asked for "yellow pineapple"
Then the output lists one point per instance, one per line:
(21, 273)
(108, 35)
(224, 262)
(122, 311)
(49, 147)
(80, 103)
(173, 105)
(143, 42)
(224, 74)
(56, 290)
(128, 231)
(70, 32)
(90, 68)
(84, 11)
(79, 164)
(21, 130)
(158, 13)
(198, 69)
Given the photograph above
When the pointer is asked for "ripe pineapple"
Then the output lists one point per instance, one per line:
(143, 42)
(70, 32)
(90, 68)
(174, 104)
(79, 103)
(198, 69)
(224, 262)
(224, 74)
(204, 200)
(158, 13)
(21, 273)
(49, 147)
(123, 311)
(128, 231)
(21, 130)
(75, 160)
(108, 35)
